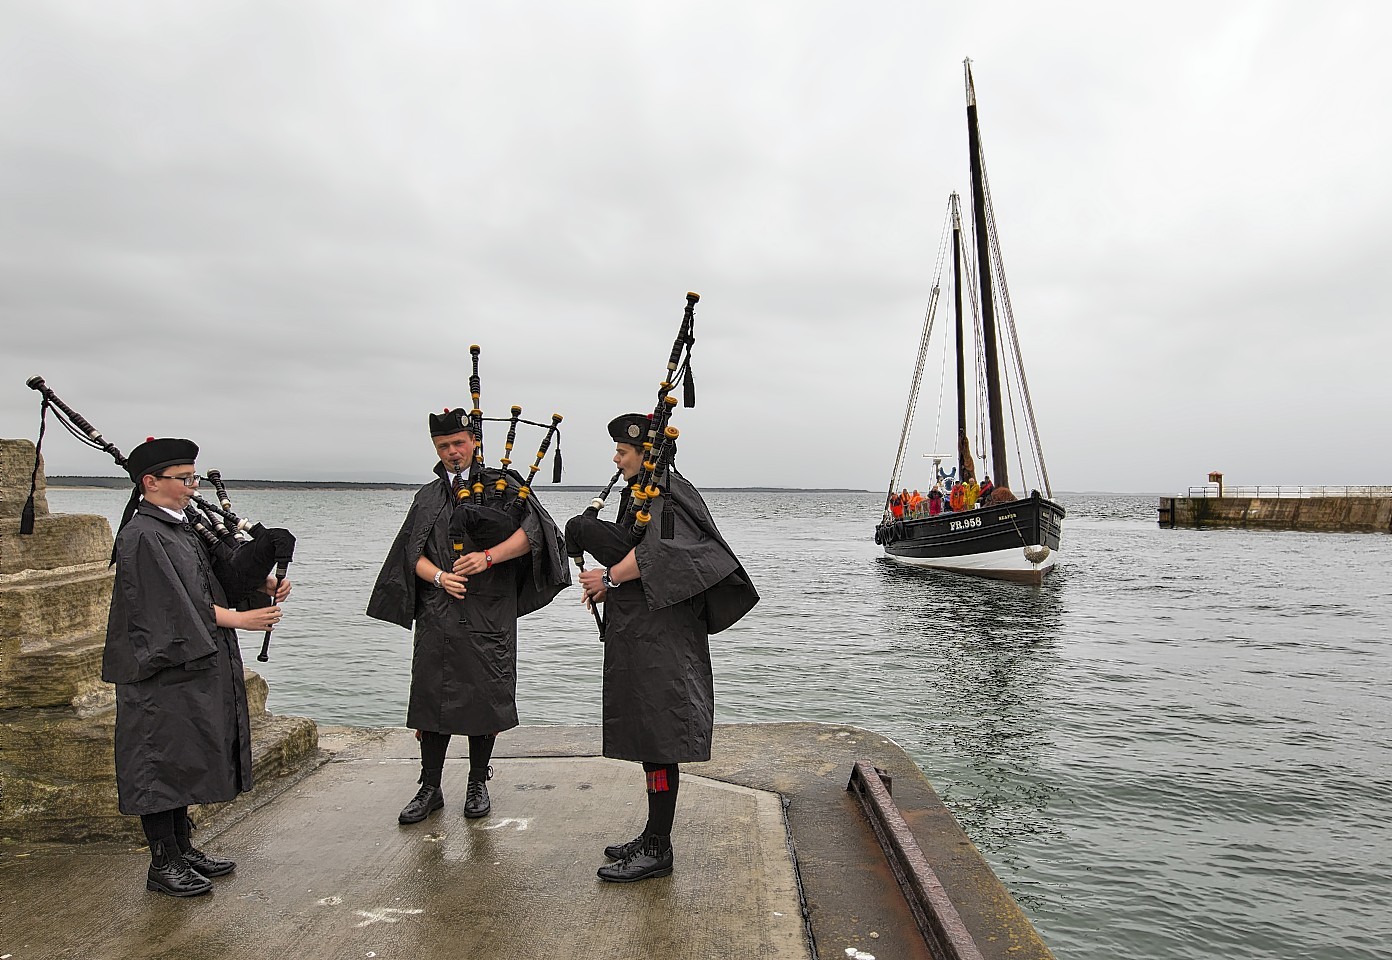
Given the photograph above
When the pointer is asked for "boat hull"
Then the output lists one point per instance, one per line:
(988, 541)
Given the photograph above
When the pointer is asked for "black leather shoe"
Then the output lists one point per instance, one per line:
(427, 800)
(643, 863)
(476, 802)
(206, 865)
(622, 851)
(170, 874)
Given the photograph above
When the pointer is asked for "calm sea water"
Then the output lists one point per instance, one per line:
(1177, 748)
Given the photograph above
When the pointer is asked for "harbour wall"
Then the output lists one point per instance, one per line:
(1332, 514)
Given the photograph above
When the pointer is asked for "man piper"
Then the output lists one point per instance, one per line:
(183, 735)
(662, 597)
(465, 606)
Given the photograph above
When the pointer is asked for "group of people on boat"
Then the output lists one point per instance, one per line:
(948, 495)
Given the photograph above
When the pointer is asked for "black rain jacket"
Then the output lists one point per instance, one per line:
(464, 661)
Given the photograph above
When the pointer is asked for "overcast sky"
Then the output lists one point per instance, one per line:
(276, 228)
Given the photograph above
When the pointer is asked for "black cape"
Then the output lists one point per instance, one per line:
(659, 696)
(464, 663)
(183, 735)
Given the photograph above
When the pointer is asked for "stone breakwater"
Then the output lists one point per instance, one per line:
(57, 717)
(1326, 514)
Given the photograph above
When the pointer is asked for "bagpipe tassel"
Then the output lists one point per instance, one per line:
(26, 516)
(556, 467)
(689, 384)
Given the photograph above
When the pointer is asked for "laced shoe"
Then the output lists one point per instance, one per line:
(171, 875)
(206, 865)
(622, 851)
(476, 802)
(427, 800)
(652, 859)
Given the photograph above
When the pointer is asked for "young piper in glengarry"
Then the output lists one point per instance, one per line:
(464, 605)
(662, 598)
(183, 735)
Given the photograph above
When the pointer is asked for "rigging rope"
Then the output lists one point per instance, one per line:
(923, 341)
(1008, 313)
(978, 341)
(942, 384)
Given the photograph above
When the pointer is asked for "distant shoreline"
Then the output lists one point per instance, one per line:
(121, 483)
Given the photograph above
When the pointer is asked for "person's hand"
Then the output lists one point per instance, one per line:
(453, 584)
(277, 593)
(592, 586)
(471, 563)
(261, 618)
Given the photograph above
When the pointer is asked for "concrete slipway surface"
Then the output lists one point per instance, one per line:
(774, 859)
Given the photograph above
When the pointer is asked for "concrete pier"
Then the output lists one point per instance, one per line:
(774, 858)
(1328, 514)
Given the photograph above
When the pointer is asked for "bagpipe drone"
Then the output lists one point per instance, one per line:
(659, 448)
(489, 509)
(243, 551)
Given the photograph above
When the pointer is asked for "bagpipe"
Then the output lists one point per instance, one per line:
(244, 552)
(659, 449)
(488, 511)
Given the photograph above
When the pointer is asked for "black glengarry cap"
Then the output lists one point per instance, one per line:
(631, 428)
(155, 454)
(451, 421)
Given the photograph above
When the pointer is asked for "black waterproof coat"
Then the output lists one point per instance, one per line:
(464, 663)
(182, 731)
(659, 698)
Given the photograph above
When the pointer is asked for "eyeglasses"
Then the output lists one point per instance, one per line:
(190, 481)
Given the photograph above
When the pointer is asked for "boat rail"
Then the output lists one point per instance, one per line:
(1212, 491)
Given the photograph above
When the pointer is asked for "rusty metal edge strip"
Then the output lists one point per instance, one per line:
(938, 920)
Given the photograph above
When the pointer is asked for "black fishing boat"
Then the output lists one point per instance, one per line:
(1001, 534)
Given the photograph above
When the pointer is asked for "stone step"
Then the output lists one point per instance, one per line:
(256, 692)
(53, 673)
(56, 743)
(67, 672)
(57, 604)
(74, 746)
(280, 746)
(58, 540)
(68, 811)
(73, 802)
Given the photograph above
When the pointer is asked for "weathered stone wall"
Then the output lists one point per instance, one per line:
(1334, 514)
(57, 717)
(16, 466)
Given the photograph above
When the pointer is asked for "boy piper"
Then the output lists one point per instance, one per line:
(662, 598)
(465, 610)
(183, 735)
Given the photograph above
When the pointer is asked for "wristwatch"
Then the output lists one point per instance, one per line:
(609, 582)
(438, 575)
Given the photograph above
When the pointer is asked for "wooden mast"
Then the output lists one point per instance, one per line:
(988, 311)
(957, 304)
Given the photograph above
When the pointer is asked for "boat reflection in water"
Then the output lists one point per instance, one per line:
(985, 656)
